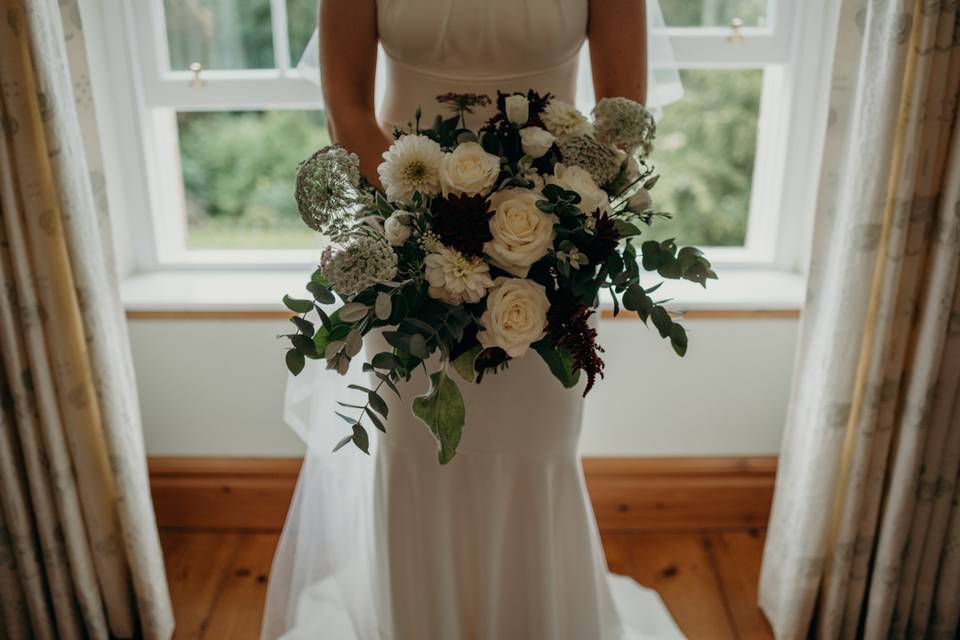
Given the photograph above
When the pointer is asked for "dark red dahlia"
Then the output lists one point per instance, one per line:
(602, 242)
(462, 222)
(568, 321)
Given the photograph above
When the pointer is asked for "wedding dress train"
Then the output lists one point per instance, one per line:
(501, 543)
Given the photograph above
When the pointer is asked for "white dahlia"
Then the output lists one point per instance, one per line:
(563, 119)
(411, 164)
(456, 278)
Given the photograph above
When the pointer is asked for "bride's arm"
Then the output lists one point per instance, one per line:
(617, 31)
(348, 61)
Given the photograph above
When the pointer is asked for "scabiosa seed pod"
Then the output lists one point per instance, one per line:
(327, 190)
(625, 124)
(601, 161)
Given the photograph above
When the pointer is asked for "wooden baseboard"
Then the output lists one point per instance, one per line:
(628, 494)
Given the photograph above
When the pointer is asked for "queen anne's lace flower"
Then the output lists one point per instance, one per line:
(562, 119)
(601, 161)
(456, 278)
(411, 164)
(326, 190)
(625, 124)
(368, 259)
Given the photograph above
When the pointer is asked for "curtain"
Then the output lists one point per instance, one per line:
(79, 551)
(864, 536)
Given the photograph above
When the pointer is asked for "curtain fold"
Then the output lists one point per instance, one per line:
(79, 551)
(862, 530)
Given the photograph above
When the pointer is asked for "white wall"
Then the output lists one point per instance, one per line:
(216, 388)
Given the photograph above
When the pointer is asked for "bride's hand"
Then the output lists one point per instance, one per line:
(348, 57)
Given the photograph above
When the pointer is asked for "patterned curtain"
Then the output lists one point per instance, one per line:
(864, 538)
(79, 551)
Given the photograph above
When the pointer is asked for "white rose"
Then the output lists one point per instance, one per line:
(574, 178)
(518, 109)
(522, 234)
(516, 315)
(536, 141)
(397, 228)
(468, 170)
(640, 201)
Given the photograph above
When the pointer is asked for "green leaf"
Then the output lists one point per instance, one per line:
(354, 343)
(661, 320)
(387, 381)
(361, 439)
(295, 361)
(443, 411)
(383, 306)
(375, 419)
(385, 360)
(678, 339)
(651, 255)
(378, 404)
(305, 346)
(353, 312)
(560, 362)
(321, 339)
(343, 442)
(633, 297)
(418, 346)
(463, 364)
(320, 293)
(295, 304)
(626, 229)
(347, 419)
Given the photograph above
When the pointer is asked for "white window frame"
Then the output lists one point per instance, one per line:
(142, 92)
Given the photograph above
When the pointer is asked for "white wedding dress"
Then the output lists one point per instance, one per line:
(500, 544)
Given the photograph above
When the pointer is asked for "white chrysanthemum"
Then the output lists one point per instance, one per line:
(456, 278)
(563, 119)
(411, 164)
(368, 259)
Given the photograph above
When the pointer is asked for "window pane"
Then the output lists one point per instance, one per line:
(238, 177)
(704, 151)
(219, 34)
(713, 13)
(301, 23)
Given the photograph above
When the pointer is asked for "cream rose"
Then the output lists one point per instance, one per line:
(516, 315)
(574, 178)
(522, 234)
(536, 141)
(518, 109)
(469, 170)
(397, 228)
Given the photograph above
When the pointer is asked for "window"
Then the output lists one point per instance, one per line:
(226, 117)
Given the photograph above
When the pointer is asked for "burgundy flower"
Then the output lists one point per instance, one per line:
(568, 321)
(462, 222)
(602, 242)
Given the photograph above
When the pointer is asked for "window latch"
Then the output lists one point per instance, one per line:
(196, 68)
(735, 36)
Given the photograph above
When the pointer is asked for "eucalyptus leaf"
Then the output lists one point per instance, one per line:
(385, 360)
(375, 419)
(678, 339)
(305, 326)
(377, 403)
(383, 306)
(343, 442)
(418, 346)
(353, 343)
(353, 312)
(361, 439)
(295, 304)
(661, 320)
(295, 361)
(443, 411)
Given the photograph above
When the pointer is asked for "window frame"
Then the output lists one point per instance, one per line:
(142, 94)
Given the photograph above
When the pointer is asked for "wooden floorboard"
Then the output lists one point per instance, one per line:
(707, 579)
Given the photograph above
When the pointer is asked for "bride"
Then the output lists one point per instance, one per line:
(501, 543)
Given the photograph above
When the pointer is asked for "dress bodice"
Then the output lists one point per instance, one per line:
(434, 47)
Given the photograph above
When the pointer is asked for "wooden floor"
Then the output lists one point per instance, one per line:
(708, 580)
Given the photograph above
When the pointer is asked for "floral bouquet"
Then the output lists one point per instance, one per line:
(484, 246)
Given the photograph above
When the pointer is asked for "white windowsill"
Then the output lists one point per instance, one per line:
(202, 290)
